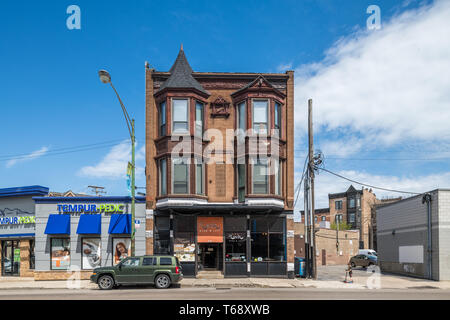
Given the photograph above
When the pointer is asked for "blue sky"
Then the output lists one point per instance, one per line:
(52, 98)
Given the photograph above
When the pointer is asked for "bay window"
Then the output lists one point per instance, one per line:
(162, 119)
(241, 116)
(241, 182)
(277, 118)
(163, 177)
(199, 177)
(260, 116)
(180, 176)
(277, 177)
(260, 177)
(180, 115)
(199, 119)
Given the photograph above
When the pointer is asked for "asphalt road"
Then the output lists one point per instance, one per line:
(133, 293)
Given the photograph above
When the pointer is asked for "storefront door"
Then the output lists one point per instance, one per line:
(210, 255)
(10, 258)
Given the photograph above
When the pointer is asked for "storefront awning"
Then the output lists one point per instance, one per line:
(90, 224)
(120, 223)
(58, 224)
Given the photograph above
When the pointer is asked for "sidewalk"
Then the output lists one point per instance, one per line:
(359, 282)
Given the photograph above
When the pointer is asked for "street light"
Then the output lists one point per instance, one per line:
(105, 77)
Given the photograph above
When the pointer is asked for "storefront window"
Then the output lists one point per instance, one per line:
(122, 249)
(91, 254)
(267, 239)
(235, 246)
(260, 244)
(235, 238)
(60, 253)
(162, 235)
(184, 242)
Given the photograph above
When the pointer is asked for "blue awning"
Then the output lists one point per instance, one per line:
(58, 224)
(120, 223)
(90, 224)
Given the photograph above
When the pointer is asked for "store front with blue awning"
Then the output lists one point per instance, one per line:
(83, 233)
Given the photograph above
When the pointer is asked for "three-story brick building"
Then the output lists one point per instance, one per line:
(220, 169)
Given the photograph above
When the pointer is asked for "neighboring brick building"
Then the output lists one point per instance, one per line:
(355, 207)
(218, 205)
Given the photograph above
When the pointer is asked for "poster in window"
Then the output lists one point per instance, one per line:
(184, 250)
(60, 254)
(121, 248)
(91, 253)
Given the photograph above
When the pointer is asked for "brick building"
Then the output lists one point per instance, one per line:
(356, 208)
(214, 144)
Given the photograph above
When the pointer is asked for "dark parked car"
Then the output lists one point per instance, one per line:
(362, 260)
(162, 271)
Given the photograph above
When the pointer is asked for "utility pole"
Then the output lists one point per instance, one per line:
(98, 190)
(311, 167)
(307, 228)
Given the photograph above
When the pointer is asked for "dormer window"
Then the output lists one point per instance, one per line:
(260, 116)
(180, 116)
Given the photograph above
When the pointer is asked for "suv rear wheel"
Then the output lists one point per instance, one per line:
(162, 281)
(106, 282)
(353, 264)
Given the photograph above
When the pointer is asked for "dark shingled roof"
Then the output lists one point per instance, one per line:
(181, 76)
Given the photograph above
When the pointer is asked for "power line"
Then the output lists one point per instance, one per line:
(301, 180)
(55, 152)
(365, 184)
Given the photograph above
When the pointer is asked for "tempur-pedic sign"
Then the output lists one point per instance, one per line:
(17, 220)
(91, 208)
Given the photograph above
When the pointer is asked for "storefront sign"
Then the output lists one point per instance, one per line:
(91, 208)
(209, 229)
(17, 220)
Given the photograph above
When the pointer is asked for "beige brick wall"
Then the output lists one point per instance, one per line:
(60, 275)
(25, 270)
(326, 240)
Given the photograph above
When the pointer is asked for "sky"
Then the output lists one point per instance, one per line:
(380, 96)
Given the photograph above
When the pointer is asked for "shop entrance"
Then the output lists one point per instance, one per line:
(10, 258)
(210, 256)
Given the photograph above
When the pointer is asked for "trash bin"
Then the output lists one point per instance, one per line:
(299, 267)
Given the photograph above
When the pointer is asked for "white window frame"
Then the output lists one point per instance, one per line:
(172, 113)
(278, 177)
(237, 178)
(267, 115)
(202, 163)
(160, 176)
(255, 162)
(172, 178)
(195, 120)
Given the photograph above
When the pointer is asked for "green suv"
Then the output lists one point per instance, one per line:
(161, 271)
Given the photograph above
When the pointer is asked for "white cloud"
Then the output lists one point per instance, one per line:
(33, 155)
(385, 86)
(326, 183)
(114, 163)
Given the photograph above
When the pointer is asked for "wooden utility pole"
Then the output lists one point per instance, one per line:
(311, 176)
